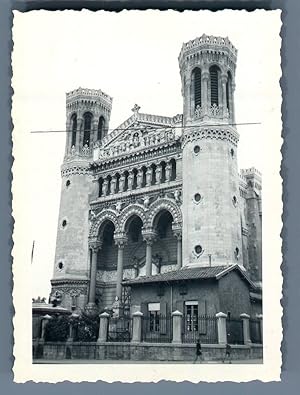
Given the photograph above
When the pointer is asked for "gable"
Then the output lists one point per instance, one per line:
(139, 132)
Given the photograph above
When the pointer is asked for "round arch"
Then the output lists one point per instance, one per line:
(164, 204)
(134, 209)
(100, 219)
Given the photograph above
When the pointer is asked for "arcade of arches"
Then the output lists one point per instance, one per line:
(143, 251)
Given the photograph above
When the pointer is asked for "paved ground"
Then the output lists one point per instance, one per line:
(92, 361)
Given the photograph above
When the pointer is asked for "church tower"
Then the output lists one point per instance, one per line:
(87, 112)
(211, 214)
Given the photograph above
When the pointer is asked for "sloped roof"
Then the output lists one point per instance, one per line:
(214, 272)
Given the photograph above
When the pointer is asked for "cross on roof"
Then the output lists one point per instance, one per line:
(136, 108)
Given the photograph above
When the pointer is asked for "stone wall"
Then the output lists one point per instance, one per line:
(234, 295)
(141, 352)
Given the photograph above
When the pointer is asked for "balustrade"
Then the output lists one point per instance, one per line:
(154, 174)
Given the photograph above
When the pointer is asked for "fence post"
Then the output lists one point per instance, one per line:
(137, 327)
(177, 325)
(260, 318)
(45, 321)
(246, 328)
(74, 316)
(103, 327)
(222, 331)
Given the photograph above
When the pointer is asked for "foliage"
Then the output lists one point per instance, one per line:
(57, 329)
(86, 328)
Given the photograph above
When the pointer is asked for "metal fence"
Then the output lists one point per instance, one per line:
(234, 327)
(157, 328)
(119, 329)
(202, 327)
(255, 331)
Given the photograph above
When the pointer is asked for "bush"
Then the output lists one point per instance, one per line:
(86, 328)
(57, 329)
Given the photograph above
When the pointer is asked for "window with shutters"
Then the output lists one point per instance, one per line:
(154, 315)
(214, 85)
(87, 118)
(197, 86)
(74, 129)
(191, 316)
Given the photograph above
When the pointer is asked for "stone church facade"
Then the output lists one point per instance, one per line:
(159, 200)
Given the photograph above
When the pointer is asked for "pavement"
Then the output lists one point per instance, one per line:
(126, 362)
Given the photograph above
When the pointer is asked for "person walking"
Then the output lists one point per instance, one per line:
(227, 353)
(198, 351)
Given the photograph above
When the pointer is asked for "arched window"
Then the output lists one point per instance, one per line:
(228, 89)
(197, 86)
(101, 128)
(74, 129)
(214, 85)
(87, 128)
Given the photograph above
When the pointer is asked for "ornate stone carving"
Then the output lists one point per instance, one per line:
(166, 204)
(212, 133)
(103, 216)
(129, 211)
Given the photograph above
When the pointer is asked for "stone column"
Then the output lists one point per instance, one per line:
(103, 328)
(121, 183)
(224, 104)
(168, 171)
(105, 187)
(130, 180)
(246, 328)
(120, 241)
(178, 235)
(149, 238)
(139, 178)
(113, 185)
(177, 325)
(260, 318)
(137, 327)
(73, 317)
(148, 176)
(79, 135)
(204, 98)
(94, 247)
(222, 332)
(158, 172)
(45, 321)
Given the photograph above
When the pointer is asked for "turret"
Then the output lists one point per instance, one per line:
(211, 215)
(87, 113)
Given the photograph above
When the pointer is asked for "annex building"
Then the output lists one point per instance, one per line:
(155, 216)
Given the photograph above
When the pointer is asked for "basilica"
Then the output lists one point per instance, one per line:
(155, 215)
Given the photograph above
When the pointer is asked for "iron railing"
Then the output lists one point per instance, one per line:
(234, 327)
(255, 331)
(119, 329)
(202, 327)
(157, 329)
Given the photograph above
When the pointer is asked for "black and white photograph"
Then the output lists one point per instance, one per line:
(147, 195)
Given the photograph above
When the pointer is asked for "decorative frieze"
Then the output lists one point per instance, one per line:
(191, 135)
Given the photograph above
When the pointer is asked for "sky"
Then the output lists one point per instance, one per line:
(133, 57)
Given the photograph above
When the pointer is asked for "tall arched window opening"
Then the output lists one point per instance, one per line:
(134, 183)
(87, 128)
(153, 179)
(197, 87)
(74, 129)
(126, 174)
(214, 85)
(228, 90)
(117, 187)
(100, 187)
(108, 185)
(101, 128)
(163, 172)
(144, 169)
(173, 169)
